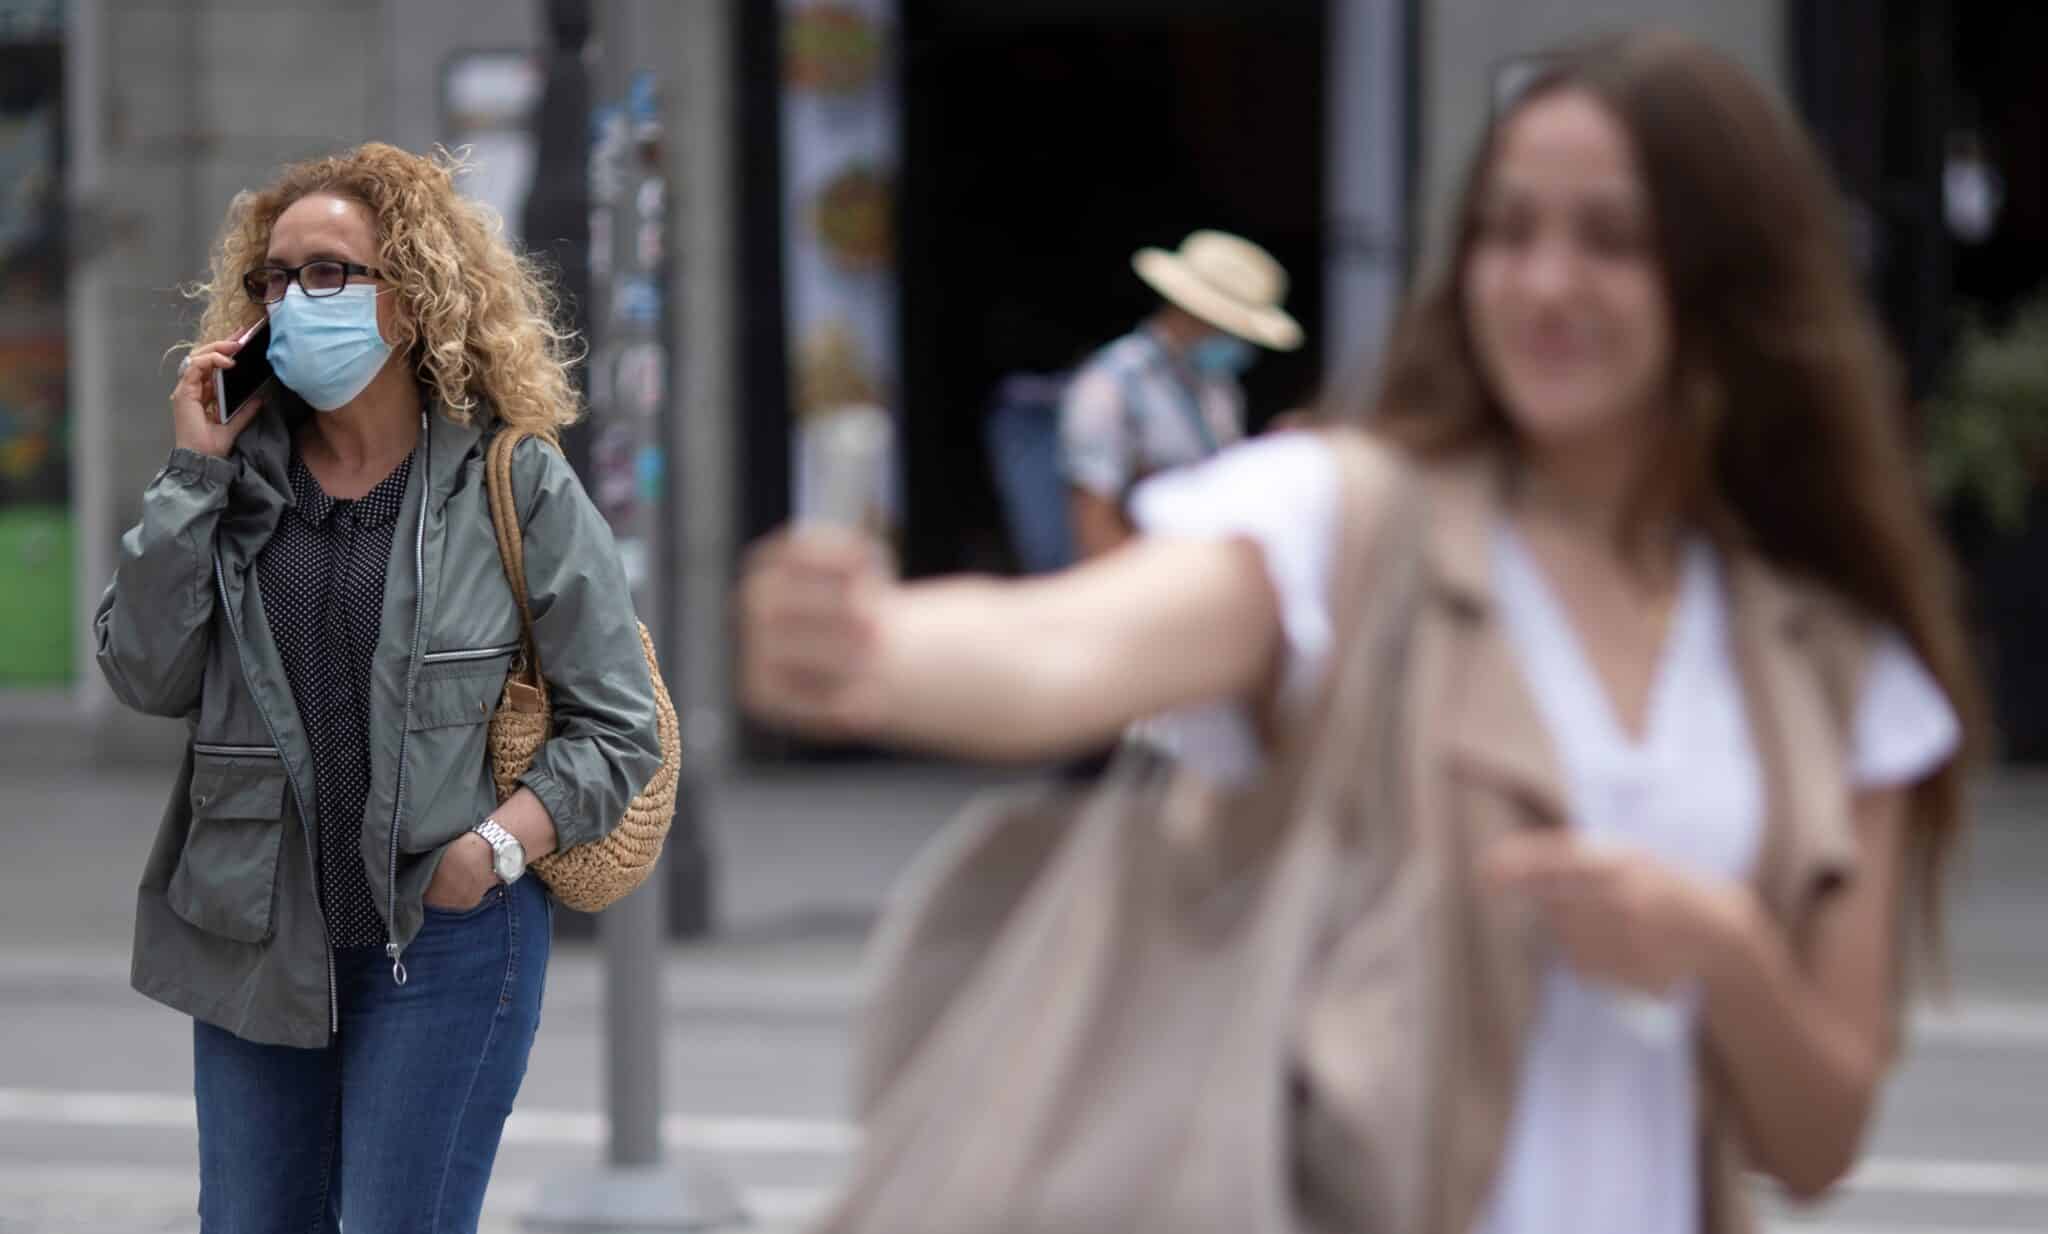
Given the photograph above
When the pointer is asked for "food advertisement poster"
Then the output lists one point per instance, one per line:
(840, 148)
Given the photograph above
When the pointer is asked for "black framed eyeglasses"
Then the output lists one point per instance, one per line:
(267, 284)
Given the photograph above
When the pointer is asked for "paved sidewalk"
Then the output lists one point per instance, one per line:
(95, 1125)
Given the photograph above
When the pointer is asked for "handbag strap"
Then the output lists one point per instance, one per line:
(505, 524)
(1376, 591)
(1315, 746)
(1378, 524)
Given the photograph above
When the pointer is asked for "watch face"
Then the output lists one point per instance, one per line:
(507, 865)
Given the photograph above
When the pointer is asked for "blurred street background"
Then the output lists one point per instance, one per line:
(770, 212)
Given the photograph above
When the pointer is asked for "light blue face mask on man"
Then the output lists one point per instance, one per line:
(326, 349)
(1221, 355)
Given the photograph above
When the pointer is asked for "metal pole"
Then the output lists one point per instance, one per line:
(88, 332)
(640, 1187)
(631, 933)
(1365, 187)
(704, 333)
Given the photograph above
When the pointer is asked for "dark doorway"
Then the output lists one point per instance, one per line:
(1902, 94)
(1040, 152)
(2001, 107)
(1873, 81)
(1999, 116)
(1894, 91)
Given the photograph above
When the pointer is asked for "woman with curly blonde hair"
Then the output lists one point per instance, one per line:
(336, 893)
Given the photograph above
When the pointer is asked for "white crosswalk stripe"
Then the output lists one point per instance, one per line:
(712, 1134)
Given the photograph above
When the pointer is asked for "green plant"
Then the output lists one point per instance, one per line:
(1987, 430)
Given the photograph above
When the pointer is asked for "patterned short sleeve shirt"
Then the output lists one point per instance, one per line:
(1134, 410)
(322, 577)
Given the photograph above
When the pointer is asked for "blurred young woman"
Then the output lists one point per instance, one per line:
(335, 895)
(1683, 601)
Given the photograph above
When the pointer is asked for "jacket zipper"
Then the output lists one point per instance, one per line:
(220, 578)
(412, 677)
(468, 654)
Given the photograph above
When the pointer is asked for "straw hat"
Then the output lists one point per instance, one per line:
(1226, 281)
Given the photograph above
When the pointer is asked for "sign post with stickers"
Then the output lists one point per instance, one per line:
(642, 1184)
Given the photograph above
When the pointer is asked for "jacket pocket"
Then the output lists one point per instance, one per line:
(448, 759)
(472, 656)
(226, 879)
(460, 687)
(457, 697)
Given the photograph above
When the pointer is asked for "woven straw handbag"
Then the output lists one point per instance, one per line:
(594, 876)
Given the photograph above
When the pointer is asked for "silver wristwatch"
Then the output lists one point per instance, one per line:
(508, 855)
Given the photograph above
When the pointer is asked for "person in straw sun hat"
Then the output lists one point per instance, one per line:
(1167, 394)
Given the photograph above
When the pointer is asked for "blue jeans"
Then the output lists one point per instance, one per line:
(394, 1125)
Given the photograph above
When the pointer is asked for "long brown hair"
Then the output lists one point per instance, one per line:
(1787, 432)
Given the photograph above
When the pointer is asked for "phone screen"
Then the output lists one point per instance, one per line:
(233, 387)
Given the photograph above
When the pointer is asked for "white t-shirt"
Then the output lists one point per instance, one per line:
(1603, 1139)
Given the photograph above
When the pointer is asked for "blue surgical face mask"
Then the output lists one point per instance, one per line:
(326, 349)
(1221, 355)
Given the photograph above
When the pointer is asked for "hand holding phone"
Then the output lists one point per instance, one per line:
(196, 423)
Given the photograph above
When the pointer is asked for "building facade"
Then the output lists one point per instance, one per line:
(887, 202)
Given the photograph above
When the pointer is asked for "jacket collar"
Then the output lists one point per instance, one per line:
(1779, 625)
(1466, 501)
(1495, 731)
(1801, 656)
(262, 486)
(453, 446)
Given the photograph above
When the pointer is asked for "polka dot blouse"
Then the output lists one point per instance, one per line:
(322, 576)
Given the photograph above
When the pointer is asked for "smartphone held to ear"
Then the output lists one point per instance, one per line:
(233, 387)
